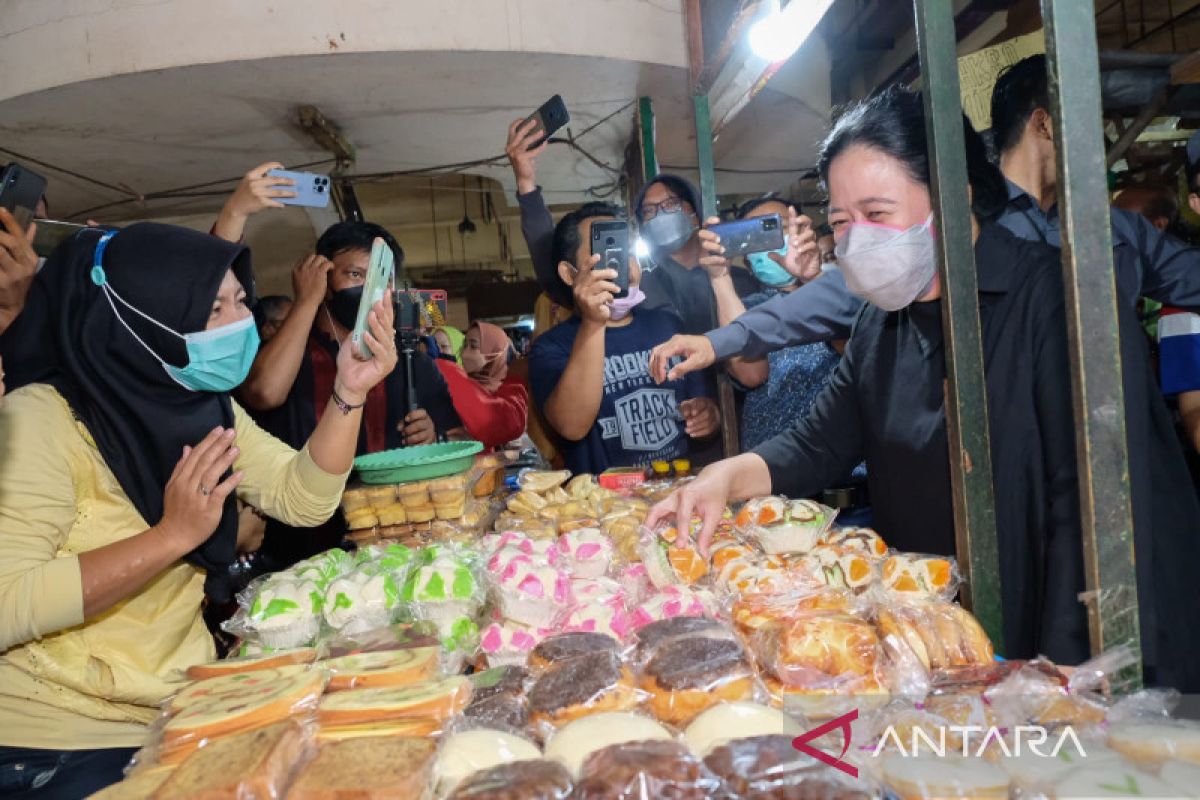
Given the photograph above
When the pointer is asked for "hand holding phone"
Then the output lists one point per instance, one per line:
(750, 235)
(20, 191)
(308, 188)
(381, 276)
(550, 117)
(610, 241)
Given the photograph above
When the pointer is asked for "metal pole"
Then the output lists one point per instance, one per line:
(1071, 60)
(966, 389)
(647, 132)
(730, 440)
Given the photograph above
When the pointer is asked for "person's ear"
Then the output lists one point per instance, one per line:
(566, 271)
(1042, 125)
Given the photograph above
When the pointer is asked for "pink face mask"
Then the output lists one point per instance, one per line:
(620, 307)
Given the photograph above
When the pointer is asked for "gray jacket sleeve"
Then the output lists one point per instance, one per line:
(819, 311)
(537, 225)
(1155, 264)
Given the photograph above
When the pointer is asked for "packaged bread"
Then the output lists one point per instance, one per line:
(532, 594)
(506, 643)
(466, 752)
(252, 764)
(780, 525)
(925, 776)
(446, 590)
(863, 540)
(320, 569)
(910, 576)
(579, 686)
(230, 666)
(768, 767)
(671, 601)
(438, 699)
(382, 668)
(652, 636)
(519, 780)
(607, 615)
(839, 567)
(574, 742)
(1151, 743)
(726, 722)
(498, 699)
(940, 634)
(233, 703)
(370, 767)
(362, 600)
(690, 674)
(585, 552)
(645, 770)
(666, 562)
(279, 612)
(565, 646)
(136, 785)
(1112, 779)
(539, 481)
(395, 727)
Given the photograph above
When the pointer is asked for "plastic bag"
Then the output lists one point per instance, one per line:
(383, 668)
(586, 552)
(576, 687)
(465, 752)
(646, 770)
(953, 776)
(399, 636)
(504, 643)
(530, 593)
(435, 700)
(768, 767)
(666, 563)
(278, 611)
(498, 699)
(911, 577)
(446, 589)
(689, 674)
(250, 663)
(672, 601)
(780, 525)
(565, 646)
(651, 637)
(940, 634)
(608, 615)
(545, 780)
(362, 600)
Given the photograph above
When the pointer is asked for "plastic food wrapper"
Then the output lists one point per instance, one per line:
(781, 525)
(278, 611)
(768, 767)
(840, 567)
(446, 590)
(625, 530)
(531, 593)
(911, 577)
(750, 612)
(864, 540)
(607, 615)
(527, 524)
(541, 481)
(505, 643)
(953, 776)
(565, 646)
(465, 752)
(645, 770)
(576, 687)
(438, 700)
(672, 601)
(818, 662)
(498, 700)
(541, 779)
(322, 568)
(586, 552)
(940, 634)
(902, 671)
(595, 590)
(250, 663)
(575, 741)
(650, 637)
(1036, 694)
(253, 763)
(362, 600)
(635, 581)
(689, 674)
(400, 636)
(1152, 743)
(383, 668)
(220, 707)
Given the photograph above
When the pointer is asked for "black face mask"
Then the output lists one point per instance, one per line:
(344, 306)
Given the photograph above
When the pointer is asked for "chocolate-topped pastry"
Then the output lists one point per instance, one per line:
(519, 780)
(581, 685)
(690, 674)
(659, 769)
(498, 680)
(769, 768)
(501, 711)
(654, 634)
(563, 646)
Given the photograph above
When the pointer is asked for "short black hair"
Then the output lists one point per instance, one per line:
(567, 239)
(342, 236)
(680, 186)
(757, 202)
(1160, 201)
(1019, 91)
(266, 305)
(893, 122)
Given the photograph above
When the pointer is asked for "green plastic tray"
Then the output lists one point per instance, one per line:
(418, 463)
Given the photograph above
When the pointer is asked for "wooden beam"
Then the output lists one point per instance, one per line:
(1186, 70)
(695, 42)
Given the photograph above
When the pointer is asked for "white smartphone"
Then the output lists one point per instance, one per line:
(381, 276)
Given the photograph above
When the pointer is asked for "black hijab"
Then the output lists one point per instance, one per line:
(139, 417)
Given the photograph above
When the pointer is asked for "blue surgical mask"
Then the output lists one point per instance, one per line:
(767, 271)
(218, 359)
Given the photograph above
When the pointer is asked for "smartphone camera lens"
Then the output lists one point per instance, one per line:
(320, 189)
(770, 224)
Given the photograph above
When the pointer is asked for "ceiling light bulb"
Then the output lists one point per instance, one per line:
(778, 35)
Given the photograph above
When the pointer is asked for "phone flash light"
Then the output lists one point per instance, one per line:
(641, 249)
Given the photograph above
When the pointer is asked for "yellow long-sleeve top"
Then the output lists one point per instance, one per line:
(68, 683)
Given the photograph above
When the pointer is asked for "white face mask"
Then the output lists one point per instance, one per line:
(889, 267)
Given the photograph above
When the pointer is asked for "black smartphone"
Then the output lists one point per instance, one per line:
(610, 241)
(551, 116)
(420, 310)
(51, 233)
(20, 191)
(751, 235)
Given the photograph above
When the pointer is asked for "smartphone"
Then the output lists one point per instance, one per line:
(381, 276)
(752, 235)
(312, 189)
(610, 241)
(420, 309)
(20, 191)
(51, 233)
(551, 116)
